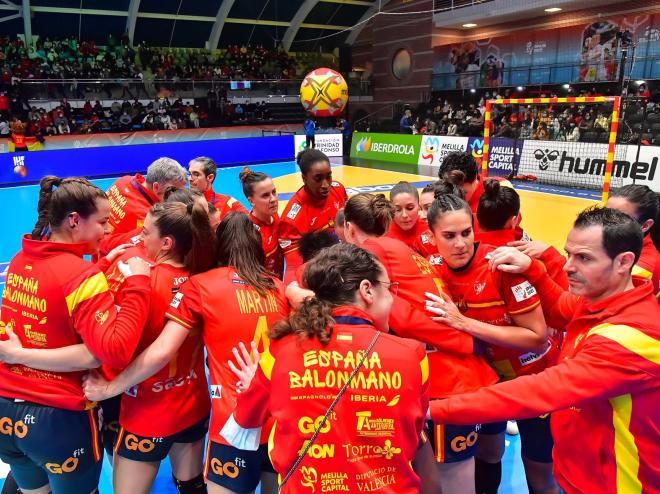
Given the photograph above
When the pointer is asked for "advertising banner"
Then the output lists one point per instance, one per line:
(503, 154)
(17, 168)
(584, 52)
(435, 148)
(329, 144)
(579, 164)
(399, 148)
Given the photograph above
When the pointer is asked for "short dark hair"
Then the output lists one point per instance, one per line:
(445, 204)
(308, 157)
(209, 165)
(496, 205)
(404, 187)
(621, 233)
(463, 162)
(311, 243)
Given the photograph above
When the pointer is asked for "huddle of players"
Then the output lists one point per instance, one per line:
(192, 297)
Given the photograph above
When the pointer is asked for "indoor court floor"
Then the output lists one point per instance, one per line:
(547, 212)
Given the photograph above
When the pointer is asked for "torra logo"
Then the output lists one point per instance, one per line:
(545, 157)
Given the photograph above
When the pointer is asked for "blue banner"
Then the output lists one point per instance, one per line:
(503, 154)
(29, 167)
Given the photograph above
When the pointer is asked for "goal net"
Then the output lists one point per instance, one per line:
(568, 142)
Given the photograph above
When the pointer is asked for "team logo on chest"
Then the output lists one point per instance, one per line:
(479, 287)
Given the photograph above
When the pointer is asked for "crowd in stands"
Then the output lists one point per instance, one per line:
(564, 122)
(155, 71)
(69, 58)
(158, 114)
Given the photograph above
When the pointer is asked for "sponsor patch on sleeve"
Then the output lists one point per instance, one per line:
(523, 291)
(284, 243)
(176, 300)
(293, 212)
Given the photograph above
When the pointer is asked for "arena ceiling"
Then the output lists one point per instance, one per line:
(297, 24)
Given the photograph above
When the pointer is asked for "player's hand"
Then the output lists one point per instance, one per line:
(509, 260)
(139, 266)
(445, 311)
(533, 248)
(11, 349)
(246, 367)
(116, 252)
(96, 388)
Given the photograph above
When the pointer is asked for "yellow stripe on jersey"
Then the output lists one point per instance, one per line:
(625, 450)
(640, 272)
(424, 366)
(266, 362)
(526, 309)
(177, 320)
(92, 286)
(632, 339)
(483, 305)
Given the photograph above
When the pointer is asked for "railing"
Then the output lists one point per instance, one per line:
(641, 68)
(113, 89)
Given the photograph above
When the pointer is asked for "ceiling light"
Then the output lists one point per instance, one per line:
(552, 10)
(566, 86)
(470, 24)
(639, 83)
(473, 90)
(520, 88)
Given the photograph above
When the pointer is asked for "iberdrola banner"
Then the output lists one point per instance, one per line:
(400, 148)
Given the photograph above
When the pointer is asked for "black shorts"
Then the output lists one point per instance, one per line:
(236, 469)
(46, 445)
(536, 439)
(493, 428)
(452, 443)
(110, 422)
(151, 449)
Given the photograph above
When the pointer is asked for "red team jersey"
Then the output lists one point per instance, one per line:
(224, 204)
(603, 393)
(176, 397)
(454, 367)
(109, 242)
(53, 298)
(270, 243)
(130, 201)
(648, 264)
(418, 238)
(304, 214)
(493, 298)
(239, 314)
(372, 434)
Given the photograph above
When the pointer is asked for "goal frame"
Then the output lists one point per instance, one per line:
(614, 127)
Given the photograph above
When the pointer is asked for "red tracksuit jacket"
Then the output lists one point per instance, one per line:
(270, 233)
(371, 436)
(604, 393)
(648, 264)
(223, 203)
(54, 298)
(130, 201)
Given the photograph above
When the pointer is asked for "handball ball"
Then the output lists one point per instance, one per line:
(20, 170)
(324, 93)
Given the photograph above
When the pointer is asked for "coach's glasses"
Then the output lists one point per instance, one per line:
(392, 286)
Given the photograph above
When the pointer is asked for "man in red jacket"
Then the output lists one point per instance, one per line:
(131, 196)
(203, 171)
(605, 391)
